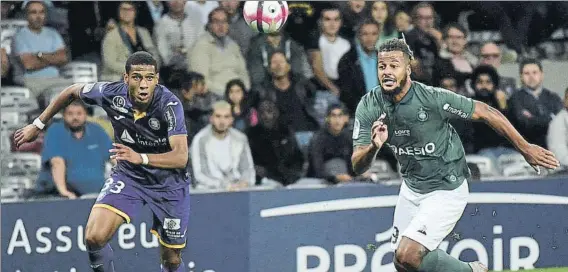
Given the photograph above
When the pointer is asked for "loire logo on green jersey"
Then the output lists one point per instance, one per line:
(429, 148)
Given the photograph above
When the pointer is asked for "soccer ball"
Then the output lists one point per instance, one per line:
(265, 16)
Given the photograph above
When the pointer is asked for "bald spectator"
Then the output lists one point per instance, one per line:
(217, 56)
(40, 51)
(491, 54)
(557, 137)
(239, 30)
(533, 106)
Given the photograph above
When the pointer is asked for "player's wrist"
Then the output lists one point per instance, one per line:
(38, 124)
(145, 159)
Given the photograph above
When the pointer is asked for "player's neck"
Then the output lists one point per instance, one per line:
(220, 135)
(282, 83)
(399, 96)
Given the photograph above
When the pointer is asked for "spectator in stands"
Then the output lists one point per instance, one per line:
(380, 13)
(424, 40)
(176, 35)
(275, 152)
(124, 40)
(490, 54)
(326, 48)
(464, 129)
(264, 45)
(74, 155)
(557, 137)
(201, 9)
(40, 51)
(239, 30)
(402, 21)
(197, 102)
(485, 83)
(354, 13)
(454, 57)
(220, 155)
(533, 106)
(357, 69)
(150, 13)
(217, 56)
(302, 20)
(331, 147)
(294, 96)
(5, 65)
(244, 114)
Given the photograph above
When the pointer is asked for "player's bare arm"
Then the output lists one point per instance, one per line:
(363, 156)
(177, 158)
(31, 131)
(534, 154)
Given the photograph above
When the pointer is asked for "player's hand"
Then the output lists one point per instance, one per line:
(537, 156)
(68, 194)
(379, 132)
(125, 153)
(26, 134)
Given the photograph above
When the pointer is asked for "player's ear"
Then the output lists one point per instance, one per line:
(125, 76)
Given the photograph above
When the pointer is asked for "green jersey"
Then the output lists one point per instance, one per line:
(427, 147)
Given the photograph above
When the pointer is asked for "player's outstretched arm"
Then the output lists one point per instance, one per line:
(175, 159)
(30, 132)
(535, 155)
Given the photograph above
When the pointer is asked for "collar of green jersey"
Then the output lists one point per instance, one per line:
(405, 99)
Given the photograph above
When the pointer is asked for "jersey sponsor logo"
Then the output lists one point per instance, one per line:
(447, 107)
(428, 149)
(402, 133)
(126, 137)
(422, 230)
(118, 103)
(422, 115)
(171, 118)
(154, 123)
(88, 87)
(356, 129)
(118, 117)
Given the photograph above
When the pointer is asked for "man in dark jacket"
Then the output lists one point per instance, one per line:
(274, 149)
(533, 107)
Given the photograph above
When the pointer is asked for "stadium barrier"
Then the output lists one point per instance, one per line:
(507, 224)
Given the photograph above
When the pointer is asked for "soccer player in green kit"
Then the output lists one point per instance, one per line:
(412, 119)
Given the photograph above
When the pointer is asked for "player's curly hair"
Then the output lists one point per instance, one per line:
(140, 58)
(397, 45)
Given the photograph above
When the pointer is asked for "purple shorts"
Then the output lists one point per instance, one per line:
(170, 208)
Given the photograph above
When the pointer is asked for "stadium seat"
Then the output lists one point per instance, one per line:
(9, 28)
(80, 72)
(21, 164)
(15, 187)
(308, 183)
(507, 160)
(383, 170)
(485, 165)
(14, 91)
(10, 118)
(521, 171)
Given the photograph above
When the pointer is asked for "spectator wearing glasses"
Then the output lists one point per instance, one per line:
(491, 54)
(455, 58)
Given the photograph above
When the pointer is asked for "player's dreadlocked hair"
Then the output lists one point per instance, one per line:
(140, 58)
(397, 45)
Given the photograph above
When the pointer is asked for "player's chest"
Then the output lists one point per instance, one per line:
(413, 123)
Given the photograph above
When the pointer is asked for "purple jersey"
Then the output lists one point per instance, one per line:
(147, 133)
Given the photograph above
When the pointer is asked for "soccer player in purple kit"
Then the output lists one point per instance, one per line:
(152, 154)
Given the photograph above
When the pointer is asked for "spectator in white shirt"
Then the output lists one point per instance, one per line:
(175, 35)
(201, 9)
(220, 155)
(557, 137)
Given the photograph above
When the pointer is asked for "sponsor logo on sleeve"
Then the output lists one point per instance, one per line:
(118, 103)
(170, 118)
(447, 107)
(88, 87)
(356, 129)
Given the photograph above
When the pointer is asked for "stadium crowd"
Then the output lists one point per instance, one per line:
(268, 109)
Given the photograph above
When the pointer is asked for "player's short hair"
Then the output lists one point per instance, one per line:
(396, 45)
(140, 58)
(221, 105)
(456, 26)
(485, 70)
(191, 78)
(526, 62)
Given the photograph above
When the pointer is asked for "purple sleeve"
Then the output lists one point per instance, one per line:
(174, 116)
(93, 93)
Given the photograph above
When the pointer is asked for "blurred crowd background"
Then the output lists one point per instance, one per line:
(274, 110)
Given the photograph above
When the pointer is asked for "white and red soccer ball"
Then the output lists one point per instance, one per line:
(265, 16)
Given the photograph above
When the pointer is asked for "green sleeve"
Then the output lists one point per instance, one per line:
(454, 106)
(363, 122)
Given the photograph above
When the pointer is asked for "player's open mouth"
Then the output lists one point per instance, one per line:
(143, 96)
(389, 82)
